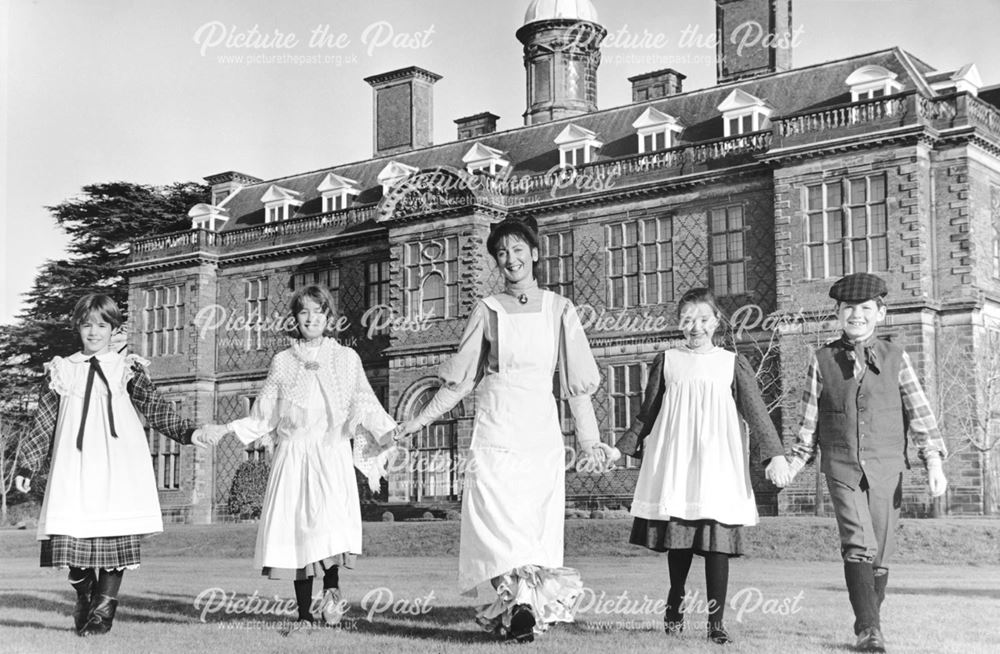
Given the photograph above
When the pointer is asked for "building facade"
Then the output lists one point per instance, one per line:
(765, 187)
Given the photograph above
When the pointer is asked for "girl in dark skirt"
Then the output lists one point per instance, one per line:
(101, 495)
(693, 494)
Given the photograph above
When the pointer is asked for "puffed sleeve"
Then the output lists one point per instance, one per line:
(631, 441)
(763, 437)
(579, 377)
(460, 374)
(263, 418)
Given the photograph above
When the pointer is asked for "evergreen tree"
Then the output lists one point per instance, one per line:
(100, 224)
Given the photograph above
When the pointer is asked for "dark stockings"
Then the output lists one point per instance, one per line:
(679, 564)
(331, 578)
(303, 597)
(716, 582)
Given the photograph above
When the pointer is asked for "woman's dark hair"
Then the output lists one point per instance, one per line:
(524, 230)
(321, 296)
(704, 296)
(100, 304)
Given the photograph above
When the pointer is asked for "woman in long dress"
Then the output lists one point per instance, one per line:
(315, 400)
(514, 499)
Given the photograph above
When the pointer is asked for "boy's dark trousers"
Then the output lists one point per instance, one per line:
(867, 516)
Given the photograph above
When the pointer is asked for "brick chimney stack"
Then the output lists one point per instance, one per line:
(656, 84)
(746, 31)
(403, 110)
(477, 125)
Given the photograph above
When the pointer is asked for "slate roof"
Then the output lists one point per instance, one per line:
(530, 149)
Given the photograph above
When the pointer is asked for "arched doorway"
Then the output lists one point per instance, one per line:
(432, 471)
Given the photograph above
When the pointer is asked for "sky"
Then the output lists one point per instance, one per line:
(156, 92)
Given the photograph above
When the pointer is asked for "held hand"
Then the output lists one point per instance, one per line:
(209, 435)
(406, 430)
(778, 472)
(599, 457)
(198, 438)
(936, 480)
(22, 484)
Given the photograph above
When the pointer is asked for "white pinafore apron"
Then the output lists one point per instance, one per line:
(695, 462)
(514, 499)
(107, 486)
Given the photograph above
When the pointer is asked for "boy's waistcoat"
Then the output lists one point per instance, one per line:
(860, 427)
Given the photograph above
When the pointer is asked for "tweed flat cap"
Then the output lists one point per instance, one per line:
(859, 287)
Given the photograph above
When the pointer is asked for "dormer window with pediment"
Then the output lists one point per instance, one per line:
(965, 80)
(337, 192)
(870, 82)
(393, 173)
(577, 146)
(208, 216)
(743, 113)
(656, 130)
(482, 158)
(280, 203)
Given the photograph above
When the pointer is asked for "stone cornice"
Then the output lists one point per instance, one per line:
(187, 260)
(656, 187)
(839, 146)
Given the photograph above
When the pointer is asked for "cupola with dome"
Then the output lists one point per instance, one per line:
(562, 41)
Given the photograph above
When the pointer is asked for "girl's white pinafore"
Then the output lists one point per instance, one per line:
(106, 488)
(514, 498)
(694, 463)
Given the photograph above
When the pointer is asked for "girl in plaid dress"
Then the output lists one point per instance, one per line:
(101, 495)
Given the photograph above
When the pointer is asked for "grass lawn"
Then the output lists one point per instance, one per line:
(949, 608)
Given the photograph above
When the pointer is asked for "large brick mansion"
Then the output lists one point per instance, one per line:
(766, 187)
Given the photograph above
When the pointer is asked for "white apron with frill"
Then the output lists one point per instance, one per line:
(695, 458)
(514, 499)
(106, 488)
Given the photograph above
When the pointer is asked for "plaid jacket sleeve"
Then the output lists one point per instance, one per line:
(34, 447)
(923, 428)
(157, 411)
(804, 447)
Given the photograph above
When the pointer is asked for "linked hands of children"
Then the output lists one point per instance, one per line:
(207, 435)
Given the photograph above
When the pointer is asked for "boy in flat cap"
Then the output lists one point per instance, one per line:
(862, 395)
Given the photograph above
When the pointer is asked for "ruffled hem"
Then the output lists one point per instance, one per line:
(314, 569)
(745, 516)
(550, 592)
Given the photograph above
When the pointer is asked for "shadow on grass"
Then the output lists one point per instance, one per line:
(34, 625)
(452, 624)
(128, 605)
(985, 593)
(433, 626)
